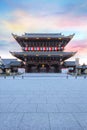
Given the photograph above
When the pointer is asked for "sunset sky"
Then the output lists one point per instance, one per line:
(49, 16)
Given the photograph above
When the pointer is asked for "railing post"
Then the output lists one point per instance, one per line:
(84, 76)
(13, 77)
(76, 76)
(67, 76)
(22, 77)
(5, 77)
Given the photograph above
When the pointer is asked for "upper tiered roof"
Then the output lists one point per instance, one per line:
(46, 35)
(30, 38)
(43, 35)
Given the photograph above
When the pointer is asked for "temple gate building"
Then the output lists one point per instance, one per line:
(43, 52)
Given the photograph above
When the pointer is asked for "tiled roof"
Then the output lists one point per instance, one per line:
(44, 35)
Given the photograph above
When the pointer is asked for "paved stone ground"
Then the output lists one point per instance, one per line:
(43, 103)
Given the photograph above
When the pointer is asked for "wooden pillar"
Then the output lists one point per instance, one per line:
(38, 68)
(57, 69)
(47, 68)
(28, 68)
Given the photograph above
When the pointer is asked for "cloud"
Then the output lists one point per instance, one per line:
(78, 45)
(45, 7)
(23, 21)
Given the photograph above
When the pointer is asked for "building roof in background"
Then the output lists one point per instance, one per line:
(82, 67)
(70, 63)
(11, 62)
(7, 61)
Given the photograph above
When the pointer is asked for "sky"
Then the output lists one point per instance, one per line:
(44, 16)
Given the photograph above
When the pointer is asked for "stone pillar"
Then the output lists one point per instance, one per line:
(77, 61)
(77, 64)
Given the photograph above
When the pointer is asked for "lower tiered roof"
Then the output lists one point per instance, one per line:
(62, 55)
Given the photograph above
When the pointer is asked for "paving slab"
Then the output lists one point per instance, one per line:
(5, 107)
(81, 119)
(24, 107)
(47, 108)
(10, 121)
(63, 121)
(68, 108)
(35, 121)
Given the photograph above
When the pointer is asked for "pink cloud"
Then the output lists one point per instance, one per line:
(23, 21)
(78, 45)
(70, 22)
